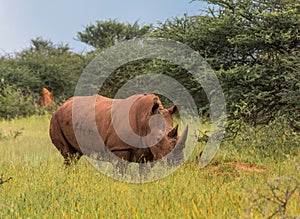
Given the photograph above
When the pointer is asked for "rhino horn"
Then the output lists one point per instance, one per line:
(173, 132)
(176, 156)
(181, 141)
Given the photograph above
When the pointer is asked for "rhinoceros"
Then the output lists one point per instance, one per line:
(75, 137)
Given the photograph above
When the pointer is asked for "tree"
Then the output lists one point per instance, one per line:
(104, 34)
(254, 48)
(14, 103)
(44, 64)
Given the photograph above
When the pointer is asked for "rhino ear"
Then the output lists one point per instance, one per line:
(173, 110)
(154, 108)
(174, 132)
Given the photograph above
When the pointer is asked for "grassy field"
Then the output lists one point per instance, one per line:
(256, 175)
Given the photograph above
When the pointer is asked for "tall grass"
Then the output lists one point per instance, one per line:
(42, 188)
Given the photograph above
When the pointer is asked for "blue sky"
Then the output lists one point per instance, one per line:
(60, 20)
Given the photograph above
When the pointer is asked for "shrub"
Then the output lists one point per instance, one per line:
(274, 142)
(14, 103)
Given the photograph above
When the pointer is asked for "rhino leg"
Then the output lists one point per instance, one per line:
(125, 155)
(69, 153)
(71, 157)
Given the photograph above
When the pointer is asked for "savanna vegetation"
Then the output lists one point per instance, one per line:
(256, 175)
(252, 46)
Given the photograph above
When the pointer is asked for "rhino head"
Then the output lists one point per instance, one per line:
(156, 122)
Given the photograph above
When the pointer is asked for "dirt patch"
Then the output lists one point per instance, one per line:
(234, 169)
(246, 167)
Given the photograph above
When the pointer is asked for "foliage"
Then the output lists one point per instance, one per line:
(254, 48)
(44, 65)
(141, 67)
(104, 34)
(14, 103)
(276, 141)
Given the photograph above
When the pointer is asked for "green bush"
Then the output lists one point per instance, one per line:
(14, 103)
(276, 141)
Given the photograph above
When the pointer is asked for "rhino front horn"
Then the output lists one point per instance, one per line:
(176, 155)
(181, 141)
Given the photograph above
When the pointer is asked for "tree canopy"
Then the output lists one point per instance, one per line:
(254, 48)
(104, 34)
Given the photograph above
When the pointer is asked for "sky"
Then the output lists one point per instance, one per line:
(60, 20)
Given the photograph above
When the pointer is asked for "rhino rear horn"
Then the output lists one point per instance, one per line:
(174, 132)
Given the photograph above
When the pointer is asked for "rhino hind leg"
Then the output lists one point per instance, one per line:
(71, 157)
(69, 153)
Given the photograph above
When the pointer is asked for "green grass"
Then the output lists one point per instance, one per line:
(42, 188)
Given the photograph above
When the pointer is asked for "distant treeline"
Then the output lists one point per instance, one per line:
(253, 47)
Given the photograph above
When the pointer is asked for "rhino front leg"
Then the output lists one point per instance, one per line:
(124, 155)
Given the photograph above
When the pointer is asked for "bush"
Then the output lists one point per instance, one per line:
(275, 141)
(14, 103)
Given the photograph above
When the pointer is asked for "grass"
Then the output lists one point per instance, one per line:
(40, 187)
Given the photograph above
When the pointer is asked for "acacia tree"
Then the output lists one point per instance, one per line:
(266, 71)
(254, 48)
(104, 34)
